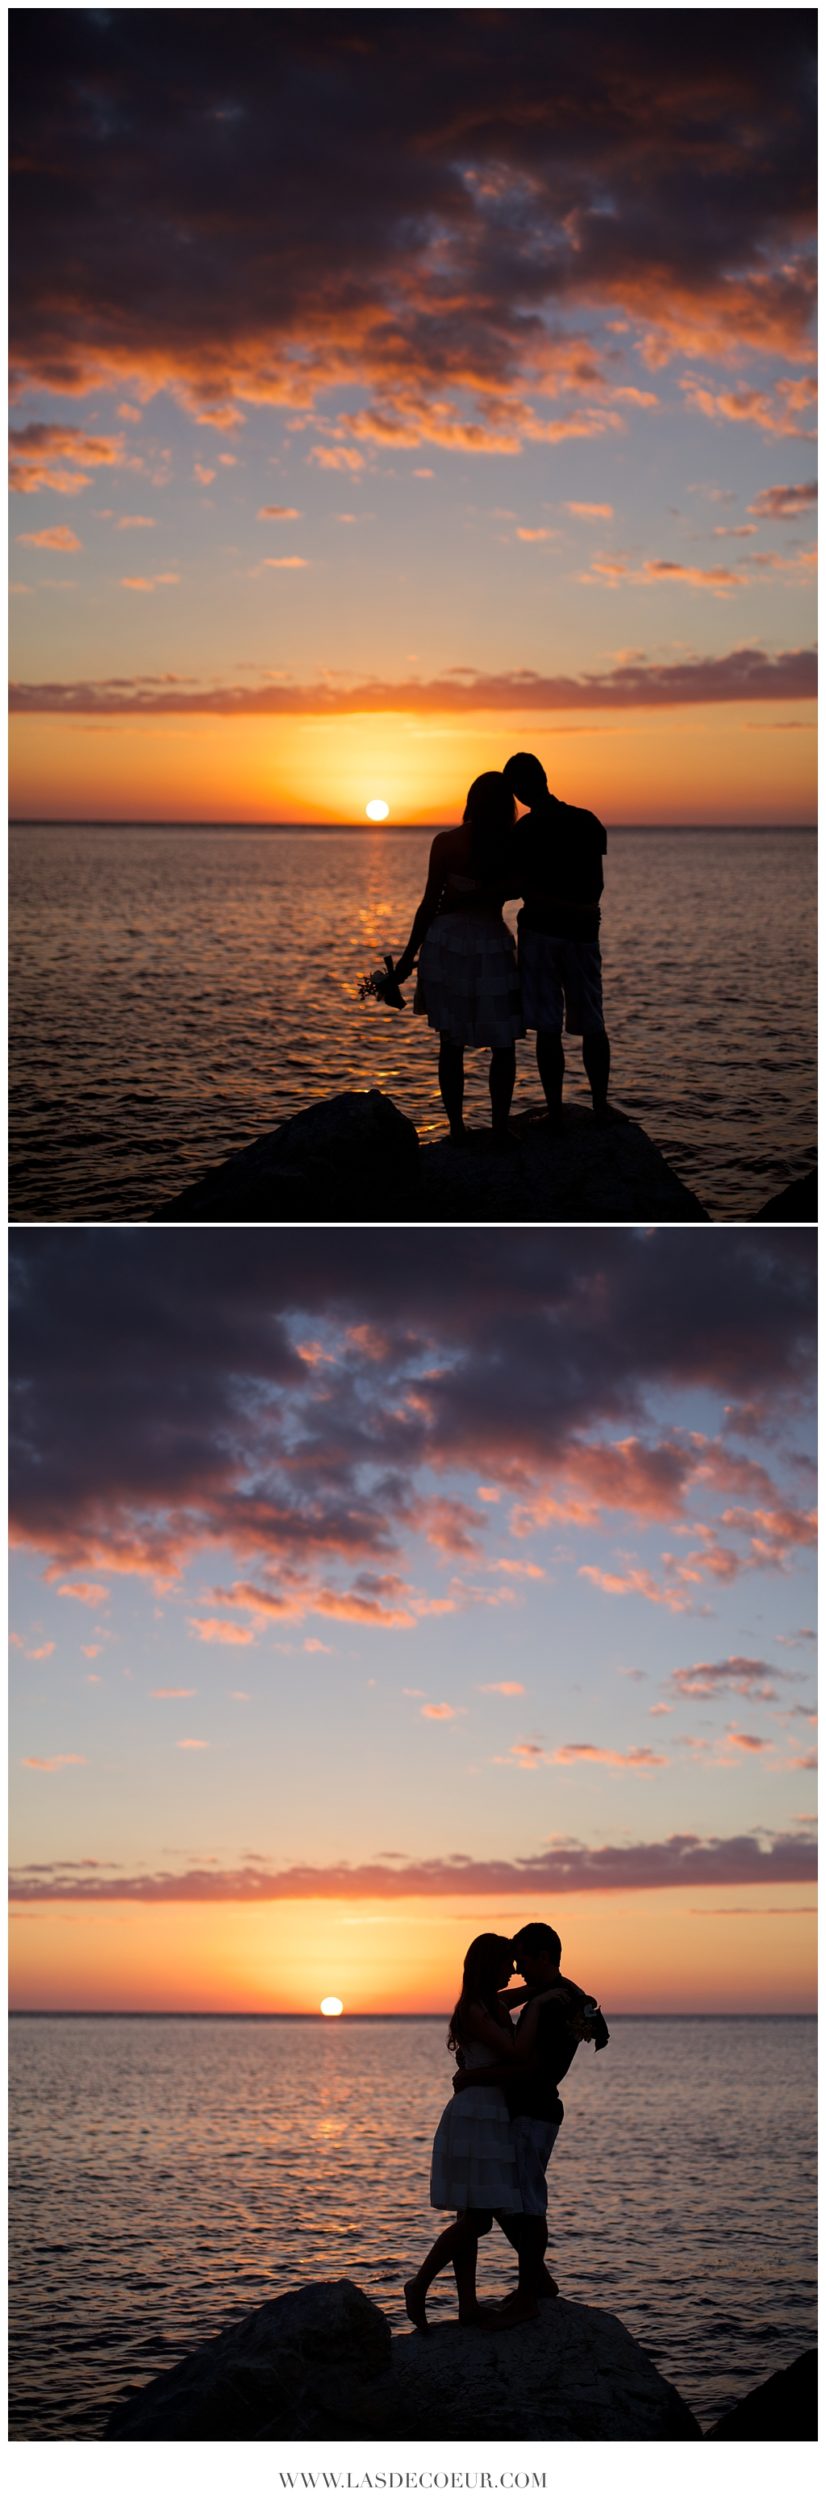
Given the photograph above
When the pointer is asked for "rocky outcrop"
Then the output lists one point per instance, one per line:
(583, 1173)
(797, 1203)
(781, 2411)
(356, 1158)
(574, 2375)
(319, 2365)
(303, 2357)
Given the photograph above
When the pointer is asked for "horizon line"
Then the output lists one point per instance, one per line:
(374, 829)
(374, 2016)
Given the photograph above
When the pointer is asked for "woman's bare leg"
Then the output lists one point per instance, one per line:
(500, 1084)
(458, 2243)
(437, 2259)
(452, 1085)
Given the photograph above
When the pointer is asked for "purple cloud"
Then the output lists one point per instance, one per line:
(684, 1859)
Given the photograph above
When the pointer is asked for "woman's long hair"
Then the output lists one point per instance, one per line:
(481, 1979)
(490, 812)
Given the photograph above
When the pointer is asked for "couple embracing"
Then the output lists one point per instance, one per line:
(470, 986)
(494, 2139)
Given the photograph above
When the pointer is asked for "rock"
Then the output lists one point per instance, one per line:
(575, 2374)
(267, 2374)
(585, 1173)
(354, 1158)
(781, 2411)
(797, 1203)
(318, 2364)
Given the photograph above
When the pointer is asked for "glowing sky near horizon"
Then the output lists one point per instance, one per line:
(382, 406)
(374, 1587)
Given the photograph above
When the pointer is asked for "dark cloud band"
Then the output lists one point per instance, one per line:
(682, 1860)
(409, 202)
(747, 674)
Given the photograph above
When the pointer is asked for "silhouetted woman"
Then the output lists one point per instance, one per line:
(474, 2167)
(468, 986)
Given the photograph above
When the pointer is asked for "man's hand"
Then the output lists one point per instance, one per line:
(461, 2079)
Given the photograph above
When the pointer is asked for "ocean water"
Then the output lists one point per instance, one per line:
(168, 2174)
(176, 992)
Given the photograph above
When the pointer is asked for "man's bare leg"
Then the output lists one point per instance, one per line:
(550, 1058)
(596, 1058)
(528, 2237)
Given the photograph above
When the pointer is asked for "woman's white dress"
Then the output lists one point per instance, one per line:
(474, 2158)
(468, 982)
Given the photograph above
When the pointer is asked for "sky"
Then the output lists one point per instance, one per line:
(396, 389)
(372, 1588)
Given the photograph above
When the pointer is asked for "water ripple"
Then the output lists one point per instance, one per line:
(170, 2174)
(177, 992)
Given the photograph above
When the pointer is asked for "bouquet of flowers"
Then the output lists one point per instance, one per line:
(382, 985)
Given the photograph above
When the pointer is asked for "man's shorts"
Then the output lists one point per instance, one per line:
(533, 2141)
(560, 979)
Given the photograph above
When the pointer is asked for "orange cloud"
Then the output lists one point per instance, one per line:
(367, 1605)
(639, 1583)
(336, 458)
(638, 1758)
(619, 571)
(49, 1763)
(133, 523)
(53, 537)
(279, 514)
(211, 1628)
(574, 506)
(731, 1675)
(43, 1651)
(785, 501)
(439, 1711)
(147, 584)
(173, 1693)
(506, 1687)
(89, 1592)
(751, 408)
(193, 1745)
(522, 1570)
(51, 456)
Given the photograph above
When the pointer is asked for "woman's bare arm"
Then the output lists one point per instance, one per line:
(428, 904)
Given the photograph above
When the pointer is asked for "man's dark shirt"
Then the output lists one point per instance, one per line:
(558, 855)
(534, 2089)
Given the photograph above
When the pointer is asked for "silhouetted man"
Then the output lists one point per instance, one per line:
(559, 851)
(534, 2103)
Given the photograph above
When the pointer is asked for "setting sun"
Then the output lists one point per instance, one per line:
(332, 2007)
(377, 811)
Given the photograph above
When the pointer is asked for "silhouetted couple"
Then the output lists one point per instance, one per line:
(491, 2149)
(470, 986)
